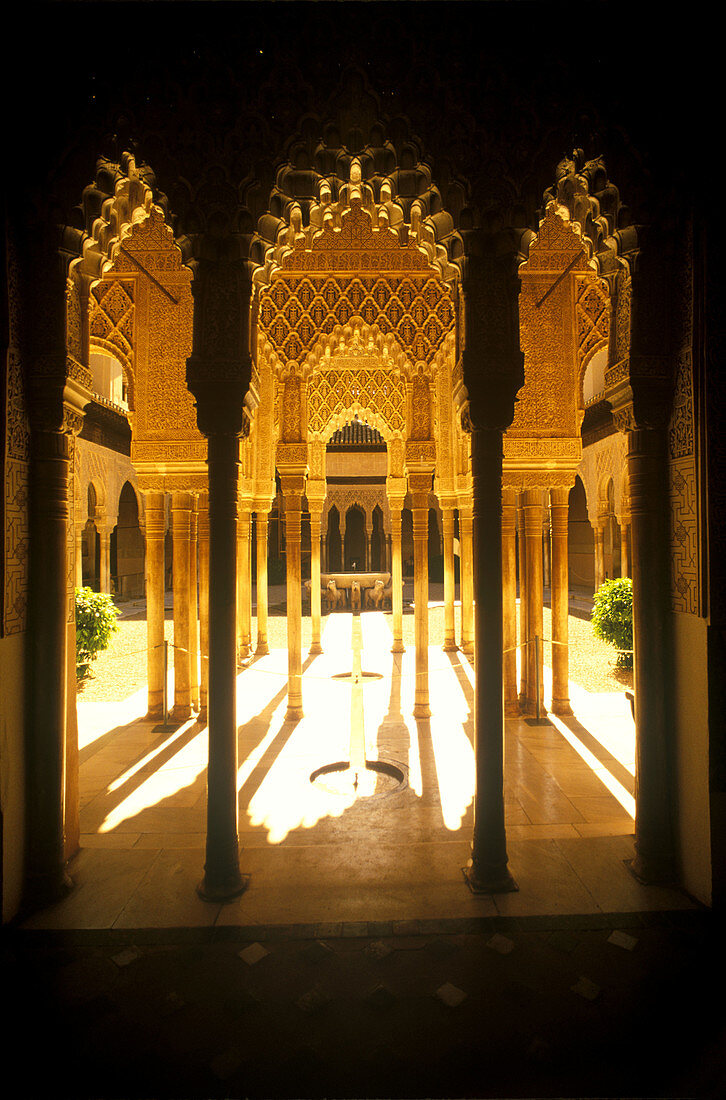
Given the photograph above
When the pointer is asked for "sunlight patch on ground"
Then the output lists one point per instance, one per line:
(618, 791)
(181, 771)
(144, 762)
(286, 799)
(96, 719)
(453, 751)
(285, 754)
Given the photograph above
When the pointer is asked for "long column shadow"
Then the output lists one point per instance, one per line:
(617, 770)
(178, 741)
(106, 740)
(430, 792)
(394, 714)
(464, 682)
(252, 784)
(168, 745)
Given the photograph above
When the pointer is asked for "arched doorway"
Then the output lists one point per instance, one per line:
(91, 545)
(581, 541)
(611, 540)
(127, 547)
(334, 551)
(355, 551)
(378, 541)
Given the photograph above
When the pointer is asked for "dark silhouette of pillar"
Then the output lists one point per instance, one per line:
(218, 375)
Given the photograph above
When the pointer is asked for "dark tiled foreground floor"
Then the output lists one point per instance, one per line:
(623, 1005)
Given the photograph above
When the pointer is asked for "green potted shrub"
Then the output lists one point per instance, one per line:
(96, 616)
(612, 617)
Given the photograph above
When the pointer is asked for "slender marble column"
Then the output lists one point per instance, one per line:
(599, 533)
(203, 570)
(533, 518)
(546, 559)
(488, 870)
(509, 601)
(315, 615)
(654, 840)
(104, 535)
(180, 511)
(420, 516)
(624, 555)
(155, 536)
(447, 523)
(262, 524)
(523, 627)
(244, 631)
(193, 605)
(222, 876)
(396, 579)
(559, 512)
(467, 578)
(293, 488)
(78, 560)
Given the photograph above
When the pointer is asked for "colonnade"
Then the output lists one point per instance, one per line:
(418, 485)
(189, 650)
(599, 530)
(190, 646)
(534, 545)
(523, 530)
(489, 567)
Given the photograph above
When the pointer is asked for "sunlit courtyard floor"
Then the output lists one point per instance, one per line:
(322, 853)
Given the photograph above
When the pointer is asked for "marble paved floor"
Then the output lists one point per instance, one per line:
(322, 854)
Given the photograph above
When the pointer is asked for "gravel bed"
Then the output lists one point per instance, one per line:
(121, 670)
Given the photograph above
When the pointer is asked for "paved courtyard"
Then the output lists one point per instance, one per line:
(319, 852)
(358, 964)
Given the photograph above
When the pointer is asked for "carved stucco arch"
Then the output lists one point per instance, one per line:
(138, 496)
(96, 481)
(370, 372)
(603, 460)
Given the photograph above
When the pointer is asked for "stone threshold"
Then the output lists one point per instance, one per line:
(695, 917)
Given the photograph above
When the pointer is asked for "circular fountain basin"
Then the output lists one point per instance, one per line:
(379, 778)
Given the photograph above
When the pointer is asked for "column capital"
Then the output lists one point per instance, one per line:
(316, 491)
(509, 512)
(419, 485)
(292, 458)
(219, 389)
(396, 489)
(181, 500)
(292, 485)
(559, 510)
(448, 500)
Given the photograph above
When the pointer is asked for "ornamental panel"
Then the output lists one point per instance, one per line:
(324, 285)
(332, 393)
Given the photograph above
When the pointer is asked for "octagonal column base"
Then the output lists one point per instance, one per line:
(490, 880)
(223, 889)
